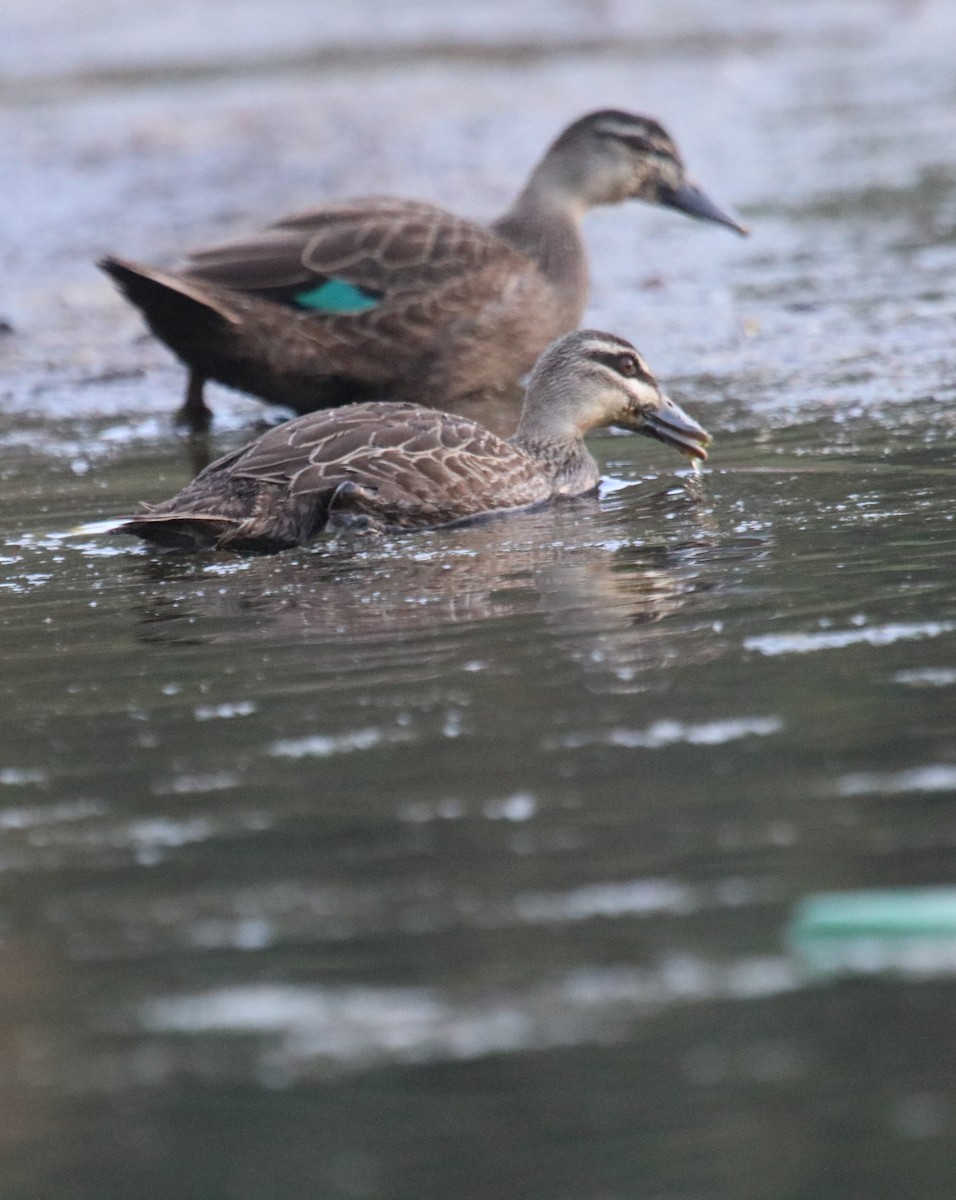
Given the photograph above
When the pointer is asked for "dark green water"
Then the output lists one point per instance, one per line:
(461, 865)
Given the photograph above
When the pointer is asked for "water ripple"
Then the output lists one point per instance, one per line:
(836, 639)
(310, 1031)
(670, 733)
(937, 777)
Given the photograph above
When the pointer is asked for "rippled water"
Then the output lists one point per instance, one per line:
(470, 864)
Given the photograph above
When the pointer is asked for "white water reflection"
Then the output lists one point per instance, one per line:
(225, 712)
(331, 914)
(927, 677)
(936, 777)
(187, 785)
(309, 1031)
(318, 745)
(836, 639)
(637, 897)
(670, 733)
(18, 776)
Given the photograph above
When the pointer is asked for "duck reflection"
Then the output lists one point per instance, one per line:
(583, 568)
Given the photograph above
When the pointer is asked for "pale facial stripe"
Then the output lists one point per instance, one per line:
(630, 130)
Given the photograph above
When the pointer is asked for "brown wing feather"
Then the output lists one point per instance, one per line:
(386, 246)
(395, 464)
(413, 456)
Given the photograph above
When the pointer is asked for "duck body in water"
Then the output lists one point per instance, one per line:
(399, 300)
(379, 466)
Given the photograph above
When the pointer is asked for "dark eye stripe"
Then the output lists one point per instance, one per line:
(614, 362)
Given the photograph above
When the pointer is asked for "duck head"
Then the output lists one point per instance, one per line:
(611, 155)
(589, 379)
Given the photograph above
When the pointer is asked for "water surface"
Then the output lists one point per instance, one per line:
(462, 864)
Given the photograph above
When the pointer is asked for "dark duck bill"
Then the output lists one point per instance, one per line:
(670, 424)
(690, 199)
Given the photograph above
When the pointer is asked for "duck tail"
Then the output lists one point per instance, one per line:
(169, 302)
(184, 532)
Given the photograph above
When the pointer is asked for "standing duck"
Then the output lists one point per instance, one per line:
(398, 299)
(398, 466)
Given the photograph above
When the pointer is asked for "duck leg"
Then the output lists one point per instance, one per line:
(194, 414)
(199, 451)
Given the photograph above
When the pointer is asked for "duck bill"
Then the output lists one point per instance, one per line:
(671, 425)
(690, 199)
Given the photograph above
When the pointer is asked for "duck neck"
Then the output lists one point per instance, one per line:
(562, 457)
(545, 223)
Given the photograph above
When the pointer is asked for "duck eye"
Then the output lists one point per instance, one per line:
(627, 365)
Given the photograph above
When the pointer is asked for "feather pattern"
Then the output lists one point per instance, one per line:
(382, 245)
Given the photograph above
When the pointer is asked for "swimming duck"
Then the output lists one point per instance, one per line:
(379, 466)
(397, 299)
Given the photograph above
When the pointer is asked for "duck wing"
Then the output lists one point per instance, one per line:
(351, 257)
(420, 467)
(389, 465)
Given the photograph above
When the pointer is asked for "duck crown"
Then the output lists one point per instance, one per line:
(640, 133)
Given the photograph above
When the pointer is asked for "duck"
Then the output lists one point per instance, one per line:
(400, 300)
(393, 466)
